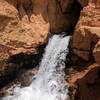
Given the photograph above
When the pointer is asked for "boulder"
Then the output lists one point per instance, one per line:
(88, 86)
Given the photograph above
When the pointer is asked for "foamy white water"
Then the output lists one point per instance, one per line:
(49, 83)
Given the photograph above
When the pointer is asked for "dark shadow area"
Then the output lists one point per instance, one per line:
(74, 13)
(18, 62)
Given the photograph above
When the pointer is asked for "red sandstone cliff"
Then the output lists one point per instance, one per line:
(86, 38)
(26, 24)
(86, 44)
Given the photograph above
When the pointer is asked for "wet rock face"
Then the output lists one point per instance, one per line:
(86, 37)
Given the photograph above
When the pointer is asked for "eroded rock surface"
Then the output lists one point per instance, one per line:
(86, 37)
(26, 24)
(89, 86)
(84, 82)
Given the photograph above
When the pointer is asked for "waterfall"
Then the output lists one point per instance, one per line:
(49, 82)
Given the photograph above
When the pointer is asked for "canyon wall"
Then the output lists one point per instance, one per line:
(86, 45)
(86, 37)
(26, 24)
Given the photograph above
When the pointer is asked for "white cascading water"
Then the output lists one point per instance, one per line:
(49, 83)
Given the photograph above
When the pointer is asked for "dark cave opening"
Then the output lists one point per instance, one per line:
(74, 12)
